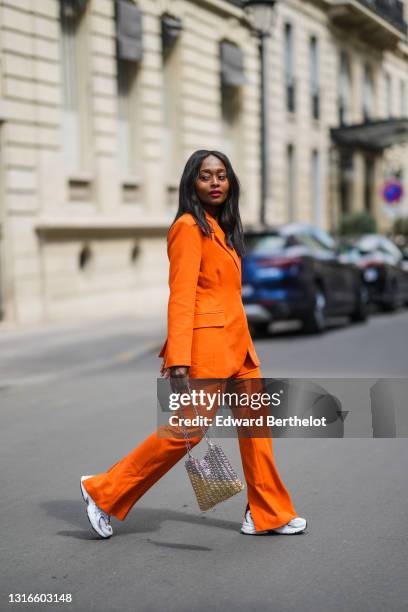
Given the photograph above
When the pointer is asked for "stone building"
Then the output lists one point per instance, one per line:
(102, 101)
(337, 64)
(101, 104)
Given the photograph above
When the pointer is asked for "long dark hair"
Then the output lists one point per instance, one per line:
(229, 218)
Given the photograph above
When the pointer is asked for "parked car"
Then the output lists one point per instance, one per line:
(384, 267)
(293, 272)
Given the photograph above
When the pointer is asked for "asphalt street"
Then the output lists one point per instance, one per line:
(74, 400)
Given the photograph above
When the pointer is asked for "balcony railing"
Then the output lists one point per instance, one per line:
(391, 10)
(379, 22)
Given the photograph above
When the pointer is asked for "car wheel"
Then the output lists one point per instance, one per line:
(361, 311)
(259, 329)
(315, 322)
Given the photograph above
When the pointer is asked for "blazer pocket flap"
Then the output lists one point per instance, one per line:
(209, 319)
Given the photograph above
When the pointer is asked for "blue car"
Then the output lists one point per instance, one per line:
(294, 272)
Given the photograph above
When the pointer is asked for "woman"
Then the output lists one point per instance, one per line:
(205, 244)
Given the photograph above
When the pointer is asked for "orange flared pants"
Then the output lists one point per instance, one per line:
(119, 488)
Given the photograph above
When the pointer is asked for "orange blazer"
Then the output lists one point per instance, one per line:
(206, 321)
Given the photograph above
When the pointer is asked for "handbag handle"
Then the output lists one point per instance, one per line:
(185, 434)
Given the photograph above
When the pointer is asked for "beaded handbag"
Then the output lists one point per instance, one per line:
(213, 478)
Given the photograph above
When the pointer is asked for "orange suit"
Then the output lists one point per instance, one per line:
(207, 324)
(208, 331)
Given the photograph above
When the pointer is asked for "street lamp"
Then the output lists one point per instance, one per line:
(261, 14)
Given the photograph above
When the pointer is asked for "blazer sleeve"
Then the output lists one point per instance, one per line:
(184, 251)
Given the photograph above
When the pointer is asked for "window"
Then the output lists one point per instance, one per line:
(388, 94)
(344, 89)
(371, 244)
(171, 28)
(231, 110)
(128, 56)
(314, 77)
(232, 79)
(75, 118)
(265, 244)
(288, 61)
(127, 123)
(368, 93)
(323, 238)
(403, 99)
(290, 182)
(303, 239)
(316, 191)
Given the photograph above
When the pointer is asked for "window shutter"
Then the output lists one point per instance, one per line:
(232, 65)
(72, 8)
(170, 29)
(129, 31)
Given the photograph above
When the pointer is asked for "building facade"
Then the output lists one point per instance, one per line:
(102, 102)
(338, 112)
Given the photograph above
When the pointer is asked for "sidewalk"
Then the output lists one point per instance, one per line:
(11, 330)
(47, 351)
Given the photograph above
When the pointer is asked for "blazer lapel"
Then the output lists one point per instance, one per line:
(219, 236)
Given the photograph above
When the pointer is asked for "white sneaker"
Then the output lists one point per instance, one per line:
(296, 525)
(100, 520)
(248, 526)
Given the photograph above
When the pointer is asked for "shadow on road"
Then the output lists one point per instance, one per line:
(140, 520)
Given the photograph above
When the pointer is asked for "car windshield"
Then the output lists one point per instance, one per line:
(324, 238)
(369, 244)
(265, 245)
(305, 240)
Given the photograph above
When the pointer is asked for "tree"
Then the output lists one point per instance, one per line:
(357, 223)
(400, 226)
